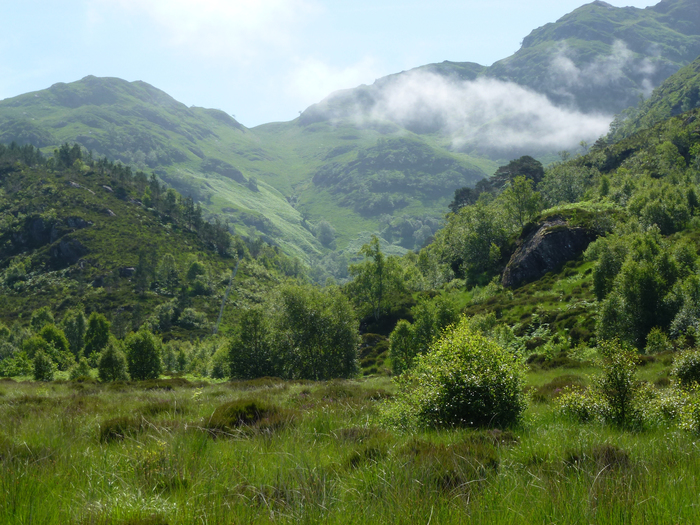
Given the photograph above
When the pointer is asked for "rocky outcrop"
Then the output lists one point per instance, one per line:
(550, 246)
(67, 252)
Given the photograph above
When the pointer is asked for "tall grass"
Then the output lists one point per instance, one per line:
(329, 462)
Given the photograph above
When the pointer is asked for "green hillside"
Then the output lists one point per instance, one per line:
(598, 58)
(326, 181)
(81, 233)
(678, 94)
(260, 181)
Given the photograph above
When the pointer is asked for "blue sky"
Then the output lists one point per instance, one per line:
(260, 60)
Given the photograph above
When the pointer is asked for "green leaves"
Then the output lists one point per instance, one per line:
(465, 379)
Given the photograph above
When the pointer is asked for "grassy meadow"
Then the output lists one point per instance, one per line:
(178, 451)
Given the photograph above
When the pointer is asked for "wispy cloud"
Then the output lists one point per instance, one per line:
(237, 30)
(485, 113)
(604, 70)
(311, 79)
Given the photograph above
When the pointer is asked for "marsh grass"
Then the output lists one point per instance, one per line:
(330, 462)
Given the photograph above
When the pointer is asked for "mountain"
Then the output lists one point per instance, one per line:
(596, 60)
(679, 93)
(384, 158)
(261, 181)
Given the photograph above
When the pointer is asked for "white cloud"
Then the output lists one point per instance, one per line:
(311, 80)
(486, 112)
(604, 70)
(239, 30)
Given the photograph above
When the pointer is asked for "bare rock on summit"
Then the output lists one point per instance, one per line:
(549, 247)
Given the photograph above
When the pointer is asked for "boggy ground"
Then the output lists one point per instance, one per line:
(268, 451)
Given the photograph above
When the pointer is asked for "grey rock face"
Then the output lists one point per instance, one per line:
(552, 244)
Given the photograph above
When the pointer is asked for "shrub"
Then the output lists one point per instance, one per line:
(82, 369)
(465, 379)
(112, 363)
(618, 384)
(43, 367)
(143, 355)
(657, 342)
(615, 396)
(686, 368)
(96, 334)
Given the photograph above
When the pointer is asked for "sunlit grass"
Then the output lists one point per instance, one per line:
(330, 462)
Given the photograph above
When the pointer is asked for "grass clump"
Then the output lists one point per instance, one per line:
(601, 456)
(118, 428)
(451, 467)
(248, 414)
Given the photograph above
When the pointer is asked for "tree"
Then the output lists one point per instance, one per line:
(374, 278)
(41, 317)
(168, 275)
(566, 183)
(401, 347)
(97, 334)
(325, 233)
(82, 369)
(55, 336)
(520, 201)
(472, 239)
(143, 355)
(250, 353)
(526, 167)
(112, 365)
(315, 333)
(44, 368)
(75, 326)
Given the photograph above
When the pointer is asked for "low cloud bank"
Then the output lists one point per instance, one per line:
(485, 112)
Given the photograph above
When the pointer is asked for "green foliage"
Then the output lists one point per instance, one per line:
(472, 241)
(465, 379)
(408, 340)
(520, 202)
(143, 354)
(250, 351)
(686, 368)
(112, 365)
(55, 337)
(75, 327)
(374, 280)
(18, 364)
(402, 347)
(81, 370)
(96, 334)
(315, 334)
(644, 285)
(618, 384)
(657, 342)
(43, 367)
(41, 317)
(616, 396)
(566, 183)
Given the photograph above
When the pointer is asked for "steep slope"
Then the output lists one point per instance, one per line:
(201, 152)
(599, 58)
(679, 93)
(389, 155)
(260, 181)
(596, 60)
